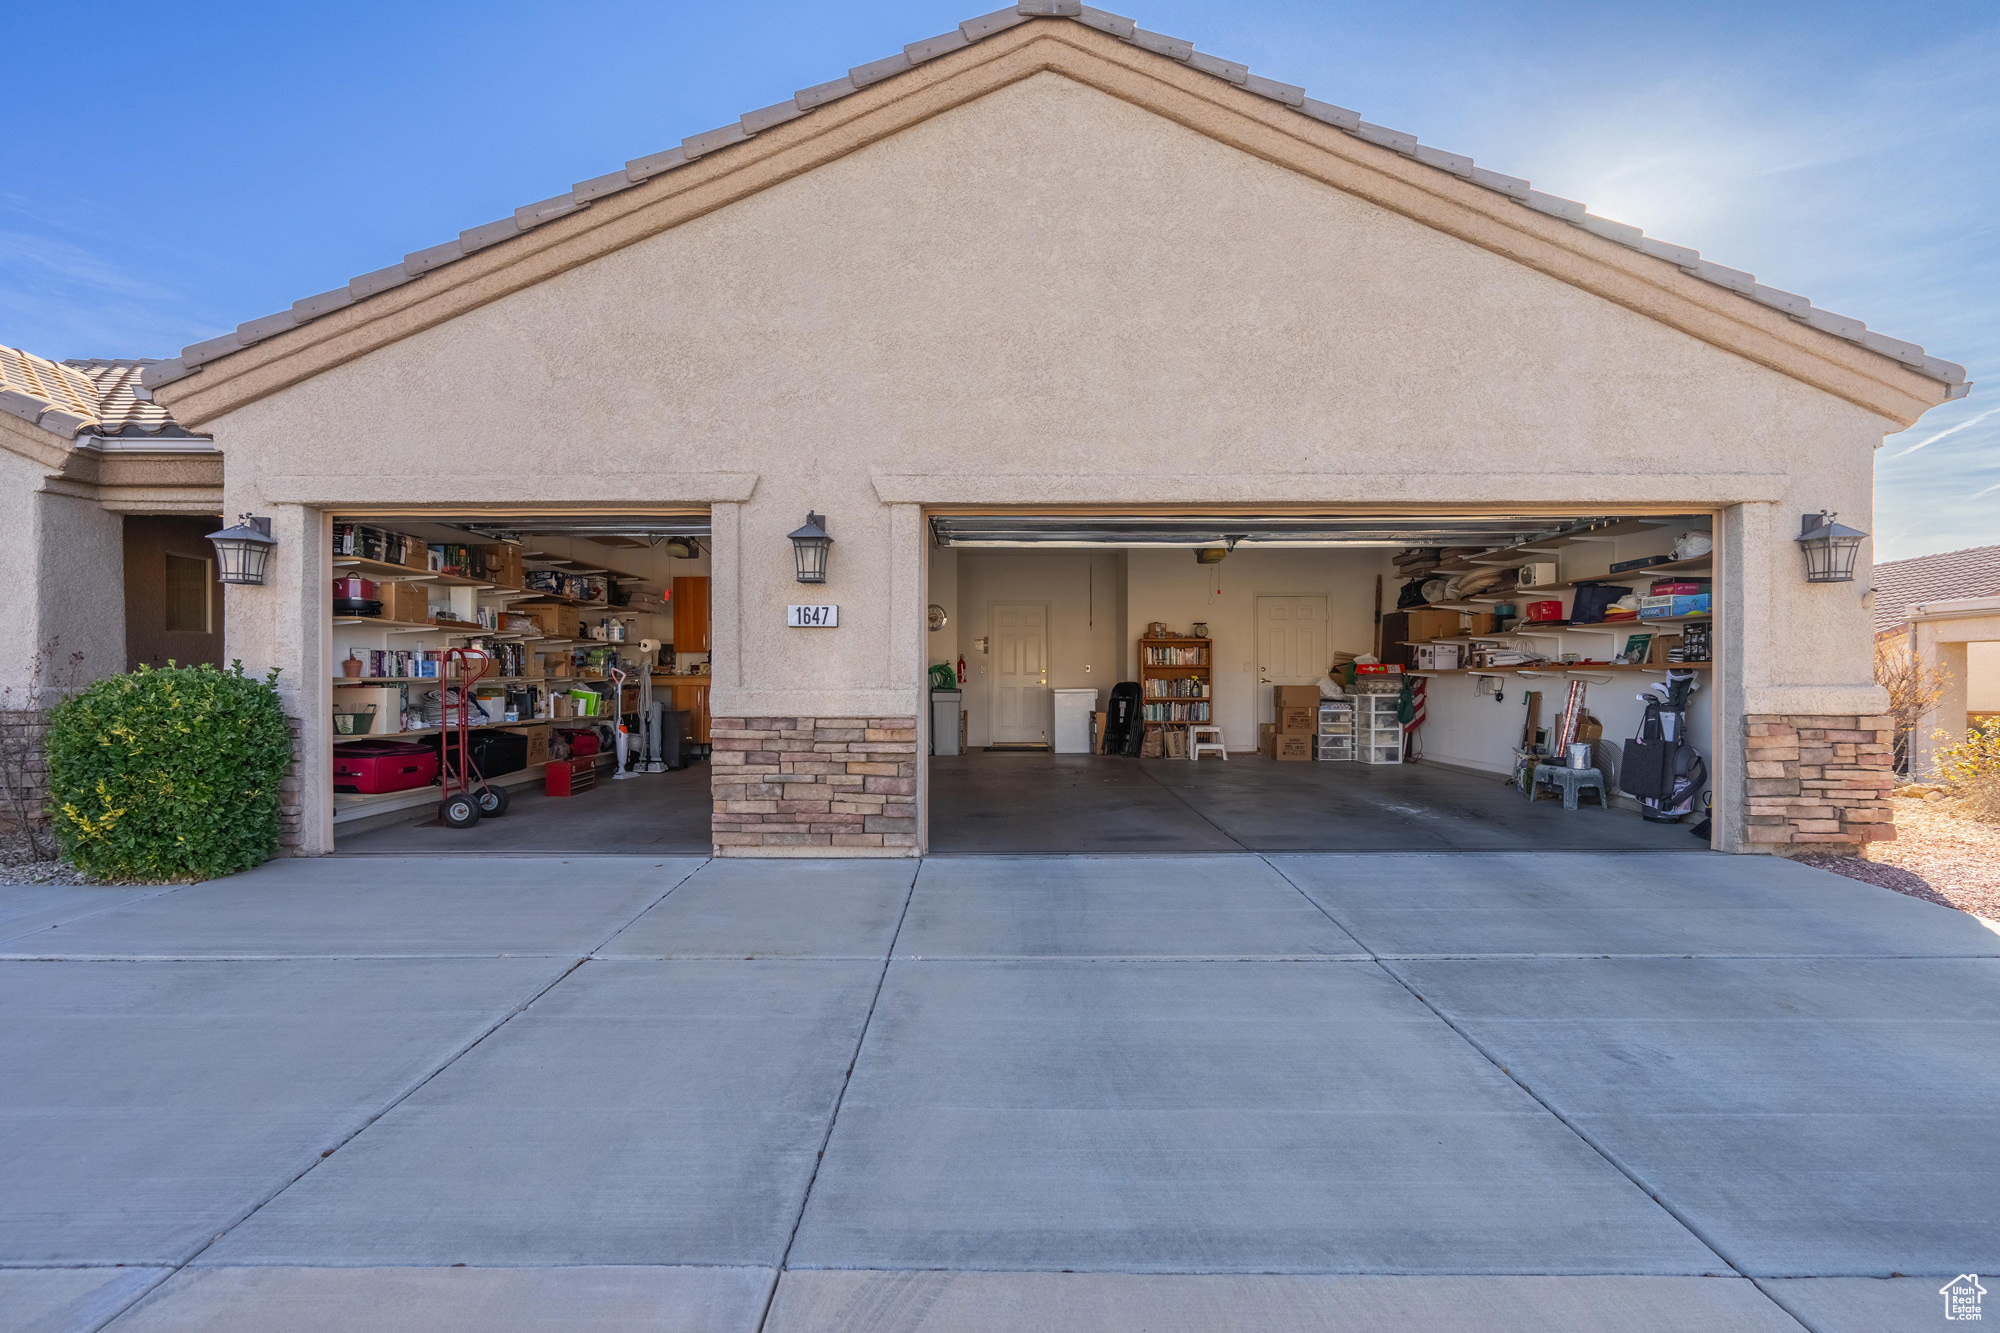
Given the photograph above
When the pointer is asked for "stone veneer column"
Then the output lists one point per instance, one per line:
(1812, 780)
(815, 782)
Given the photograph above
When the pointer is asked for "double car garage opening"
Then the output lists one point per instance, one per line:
(1353, 682)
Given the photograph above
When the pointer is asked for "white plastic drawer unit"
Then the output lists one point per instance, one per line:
(1335, 739)
(1379, 735)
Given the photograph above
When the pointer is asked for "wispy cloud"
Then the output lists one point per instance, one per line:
(1944, 434)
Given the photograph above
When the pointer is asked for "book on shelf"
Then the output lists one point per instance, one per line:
(1166, 655)
(1175, 712)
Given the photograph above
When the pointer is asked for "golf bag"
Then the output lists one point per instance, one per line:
(1122, 732)
(1659, 766)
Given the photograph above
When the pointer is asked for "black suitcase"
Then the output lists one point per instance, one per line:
(494, 753)
(1122, 732)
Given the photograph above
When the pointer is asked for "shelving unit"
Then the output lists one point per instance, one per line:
(549, 663)
(1162, 661)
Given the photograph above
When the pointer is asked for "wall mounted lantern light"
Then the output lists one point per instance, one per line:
(809, 544)
(1830, 548)
(242, 552)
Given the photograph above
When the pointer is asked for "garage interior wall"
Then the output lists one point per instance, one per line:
(1085, 595)
(1168, 585)
(1465, 726)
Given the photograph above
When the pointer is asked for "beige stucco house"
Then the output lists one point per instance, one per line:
(1052, 264)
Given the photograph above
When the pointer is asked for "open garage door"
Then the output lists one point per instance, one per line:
(1200, 682)
(520, 683)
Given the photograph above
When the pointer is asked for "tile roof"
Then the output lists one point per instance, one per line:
(91, 401)
(972, 30)
(1901, 584)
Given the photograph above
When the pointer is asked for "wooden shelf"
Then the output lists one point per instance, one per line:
(383, 572)
(1564, 668)
(379, 623)
(1203, 671)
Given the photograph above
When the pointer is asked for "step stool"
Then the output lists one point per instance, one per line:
(1196, 745)
(1572, 781)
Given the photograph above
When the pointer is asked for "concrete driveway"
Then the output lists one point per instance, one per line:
(1571, 1091)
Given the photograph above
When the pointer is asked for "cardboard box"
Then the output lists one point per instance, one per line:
(407, 602)
(538, 745)
(1295, 696)
(1292, 720)
(555, 622)
(386, 699)
(416, 555)
(503, 565)
(1428, 623)
(1292, 746)
(1267, 740)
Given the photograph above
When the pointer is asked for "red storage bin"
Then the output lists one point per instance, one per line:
(370, 767)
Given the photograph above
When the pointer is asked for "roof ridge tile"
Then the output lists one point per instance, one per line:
(972, 30)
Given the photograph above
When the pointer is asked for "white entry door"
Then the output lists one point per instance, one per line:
(1291, 643)
(1020, 673)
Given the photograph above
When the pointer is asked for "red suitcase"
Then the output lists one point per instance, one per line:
(380, 766)
(581, 743)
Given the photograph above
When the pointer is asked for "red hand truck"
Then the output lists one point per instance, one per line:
(473, 797)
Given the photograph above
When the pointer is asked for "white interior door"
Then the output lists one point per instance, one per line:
(1020, 673)
(1291, 643)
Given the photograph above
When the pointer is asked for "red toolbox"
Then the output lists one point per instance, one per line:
(377, 766)
(569, 777)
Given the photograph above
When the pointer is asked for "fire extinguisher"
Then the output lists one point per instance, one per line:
(961, 668)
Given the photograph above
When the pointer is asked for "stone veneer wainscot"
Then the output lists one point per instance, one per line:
(833, 782)
(1814, 780)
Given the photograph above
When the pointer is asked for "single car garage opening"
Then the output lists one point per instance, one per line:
(571, 653)
(1201, 682)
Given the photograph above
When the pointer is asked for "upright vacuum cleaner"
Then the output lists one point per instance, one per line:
(1660, 766)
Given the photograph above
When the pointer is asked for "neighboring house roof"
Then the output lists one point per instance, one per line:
(1902, 584)
(805, 102)
(92, 402)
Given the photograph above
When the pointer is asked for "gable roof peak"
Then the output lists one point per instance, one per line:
(751, 123)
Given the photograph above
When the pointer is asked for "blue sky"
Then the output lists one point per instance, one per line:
(171, 171)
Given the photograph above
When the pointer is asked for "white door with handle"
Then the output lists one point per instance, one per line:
(1021, 704)
(1291, 643)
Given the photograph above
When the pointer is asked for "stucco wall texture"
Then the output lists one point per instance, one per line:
(1052, 293)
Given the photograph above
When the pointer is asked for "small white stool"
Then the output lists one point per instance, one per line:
(1196, 745)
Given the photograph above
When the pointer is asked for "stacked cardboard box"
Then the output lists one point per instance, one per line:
(1295, 714)
(503, 565)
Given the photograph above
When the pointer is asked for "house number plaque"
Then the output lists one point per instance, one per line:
(812, 617)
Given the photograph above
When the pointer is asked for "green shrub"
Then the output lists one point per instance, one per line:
(168, 774)
(1972, 767)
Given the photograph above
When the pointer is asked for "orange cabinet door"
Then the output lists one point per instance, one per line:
(692, 697)
(691, 614)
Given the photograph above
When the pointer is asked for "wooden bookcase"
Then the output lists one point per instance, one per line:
(1166, 665)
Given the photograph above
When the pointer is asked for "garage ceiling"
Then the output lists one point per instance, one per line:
(1235, 529)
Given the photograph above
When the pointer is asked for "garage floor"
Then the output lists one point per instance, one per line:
(1033, 801)
(654, 814)
(1506, 1093)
